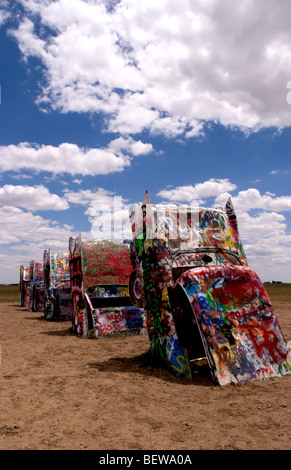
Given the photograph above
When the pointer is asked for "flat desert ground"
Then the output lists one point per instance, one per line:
(61, 392)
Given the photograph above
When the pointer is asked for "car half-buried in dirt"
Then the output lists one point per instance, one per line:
(99, 276)
(203, 303)
(57, 293)
(36, 287)
(24, 285)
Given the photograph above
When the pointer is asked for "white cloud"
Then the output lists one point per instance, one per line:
(197, 193)
(24, 236)
(69, 158)
(268, 225)
(25, 226)
(263, 234)
(66, 158)
(31, 197)
(252, 199)
(270, 255)
(163, 66)
(107, 212)
(11, 257)
(101, 198)
(130, 146)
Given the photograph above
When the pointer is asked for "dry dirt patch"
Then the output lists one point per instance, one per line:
(58, 391)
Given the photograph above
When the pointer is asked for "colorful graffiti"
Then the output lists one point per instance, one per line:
(77, 286)
(56, 274)
(36, 289)
(234, 313)
(99, 276)
(121, 320)
(203, 303)
(24, 286)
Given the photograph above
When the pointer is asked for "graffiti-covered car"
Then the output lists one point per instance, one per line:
(24, 285)
(57, 291)
(99, 276)
(36, 287)
(203, 303)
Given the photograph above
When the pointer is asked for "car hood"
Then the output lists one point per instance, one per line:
(240, 333)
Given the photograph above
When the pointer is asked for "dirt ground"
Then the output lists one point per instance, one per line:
(60, 392)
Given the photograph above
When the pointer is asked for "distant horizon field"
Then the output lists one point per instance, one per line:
(9, 293)
(280, 291)
(276, 291)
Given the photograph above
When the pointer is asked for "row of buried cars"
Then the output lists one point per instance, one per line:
(183, 279)
(88, 285)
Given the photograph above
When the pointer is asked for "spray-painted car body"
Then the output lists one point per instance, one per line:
(99, 272)
(36, 289)
(24, 285)
(202, 301)
(57, 292)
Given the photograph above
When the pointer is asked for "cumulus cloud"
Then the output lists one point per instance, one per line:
(262, 228)
(129, 145)
(263, 225)
(163, 66)
(24, 236)
(107, 212)
(101, 198)
(69, 158)
(197, 193)
(25, 226)
(33, 198)
(253, 199)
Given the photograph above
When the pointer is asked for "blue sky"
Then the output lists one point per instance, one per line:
(103, 100)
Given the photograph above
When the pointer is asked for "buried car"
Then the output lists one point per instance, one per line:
(36, 287)
(99, 277)
(57, 292)
(24, 285)
(204, 304)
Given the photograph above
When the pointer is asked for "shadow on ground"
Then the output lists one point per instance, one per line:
(146, 365)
